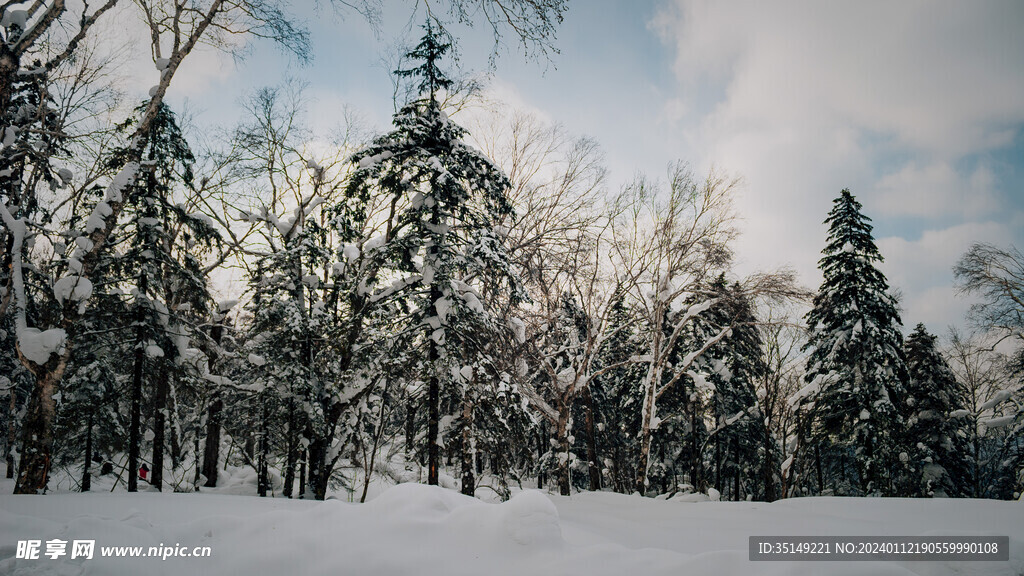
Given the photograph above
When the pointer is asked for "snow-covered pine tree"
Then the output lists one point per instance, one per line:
(158, 256)
(856, 355)
(89, 419)
(288, 345)
(489, 408)
(936, 464)
(737, 438)
(441, 240)
(498, 429)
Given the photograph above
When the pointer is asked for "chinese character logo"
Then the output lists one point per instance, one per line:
(28, 549)
(82, 549)
(56, 548)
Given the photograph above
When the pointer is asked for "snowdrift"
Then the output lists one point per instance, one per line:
(416, 529)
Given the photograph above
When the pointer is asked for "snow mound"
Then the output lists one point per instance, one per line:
(530, 519)
(419, 502)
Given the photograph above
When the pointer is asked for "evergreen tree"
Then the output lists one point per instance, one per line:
(310, 289)
(89, 417)
(856, 354)
(441, 245)
(300, 341)
(935, 465)
(287, 344)
(738, 439)
(159, 258)
(712, 428)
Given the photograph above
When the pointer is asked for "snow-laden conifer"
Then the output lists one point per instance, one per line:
(440, 241)
(856, 354)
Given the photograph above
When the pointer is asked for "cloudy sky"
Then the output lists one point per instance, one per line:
(917, 107)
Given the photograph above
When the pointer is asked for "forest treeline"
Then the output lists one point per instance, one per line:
(471, 305)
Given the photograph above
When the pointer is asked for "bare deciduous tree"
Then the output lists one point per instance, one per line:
(985, 376)
(670, 249)
(996, 275)
(781, 337)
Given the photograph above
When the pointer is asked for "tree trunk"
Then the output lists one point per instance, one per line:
(250, 445)
(591, 430)
(792, 474)
(159, 427)
(562, 431)
(468, 481)
(736, 463)
(321, 461)
(136, 407)
(11, 431)
(262, 472)
(497, 463)
(34, 468)
(211, 451)
(619, 485)
(86, 473)
(317, 468)
(292, 457)
(174, 425)
(410, 430)
(696, 463)
(718, 465)
(817, 465)
(434, 355)
(198, 464)
(302, 475)
(10, 62)
(433, 406)
(367, 474)
(976, 473)
(321, 458)
(767, 468)
(541, 450)
(652, 381)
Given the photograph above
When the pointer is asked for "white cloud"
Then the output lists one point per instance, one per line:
(918, 263)
(900, 102)
(502, 94)
(939, 78)
(937, 308)
(922, 269)
(937, 190)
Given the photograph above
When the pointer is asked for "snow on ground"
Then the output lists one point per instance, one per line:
(416, 529)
